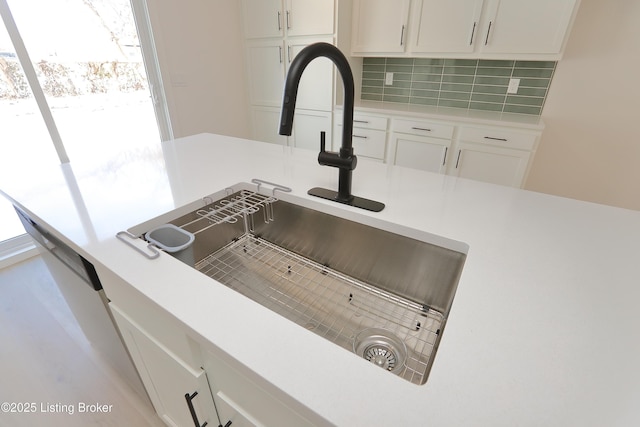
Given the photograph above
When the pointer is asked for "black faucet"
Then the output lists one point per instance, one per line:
(345, 160)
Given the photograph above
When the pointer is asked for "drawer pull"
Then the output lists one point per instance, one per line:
(192, 410)
(417, 128)
(496, 139)
(360, 136)
(361, 121)
(444, 160)
(458, 159)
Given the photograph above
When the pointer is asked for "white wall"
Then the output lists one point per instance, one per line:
(590, 149)
(200, 50)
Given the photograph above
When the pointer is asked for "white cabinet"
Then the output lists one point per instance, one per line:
(524, 26)
(266, 65)
(379, 26)
(175, 389)
(307, 125)
(276, 31)
(420, 144)
(369, 136)
(262, 18)
(273, 18)
(309, 17)
(499, 29)
(245, 402)
(491, 164)
(495, 155)
(266, 122)
(444, 27)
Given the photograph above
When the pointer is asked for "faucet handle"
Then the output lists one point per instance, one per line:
(323, 138)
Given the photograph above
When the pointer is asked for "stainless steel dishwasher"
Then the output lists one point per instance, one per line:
(79, 285)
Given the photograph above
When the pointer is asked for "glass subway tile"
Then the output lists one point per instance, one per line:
(459, 83)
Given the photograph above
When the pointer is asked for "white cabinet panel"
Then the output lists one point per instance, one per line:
(369, 143)
(263, 18)
(166, 378)
(490, 164)
(307, 126)
(315, 91)
(446, 26)
(500, 137)
(498, 29)
(266, 122)
(423, 128)
(423, 153)
(239, 398)
(524, 26)
(309, 17)
(266, 62)
(379, 26)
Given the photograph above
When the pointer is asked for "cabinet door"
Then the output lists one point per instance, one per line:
(419, 152)
(263, 18)
(307, 126)
(315, 91)
(490, 164)
(266, 124)
(525, 26)
(167, 379)
(379, 26)
(242, 401)
(266, 72)
(446, 26)
(309, 17)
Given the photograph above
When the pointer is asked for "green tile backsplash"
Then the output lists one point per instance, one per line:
(460, 83)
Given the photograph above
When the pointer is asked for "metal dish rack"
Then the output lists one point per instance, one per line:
(330, 304)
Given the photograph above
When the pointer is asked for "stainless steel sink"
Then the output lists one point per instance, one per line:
(384, 295)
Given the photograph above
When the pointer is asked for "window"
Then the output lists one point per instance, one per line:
(74, 86)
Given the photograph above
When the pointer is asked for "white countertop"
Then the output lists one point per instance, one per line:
(543, 330)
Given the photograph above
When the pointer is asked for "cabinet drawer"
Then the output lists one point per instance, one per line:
(364, 121)
(423, 128)
(499, 137)
(369, 143)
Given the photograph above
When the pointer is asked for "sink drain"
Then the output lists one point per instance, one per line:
(381, 348)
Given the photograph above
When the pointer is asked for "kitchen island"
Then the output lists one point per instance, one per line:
(543, 330)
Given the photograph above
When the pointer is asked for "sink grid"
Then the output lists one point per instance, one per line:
(326, 302)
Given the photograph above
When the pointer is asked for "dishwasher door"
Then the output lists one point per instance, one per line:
(79, 285)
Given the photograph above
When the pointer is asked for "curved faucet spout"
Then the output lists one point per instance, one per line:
(296, 69)
(345, 160)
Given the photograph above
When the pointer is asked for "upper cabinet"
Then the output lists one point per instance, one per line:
(535, 27)
(446, 26)
(379, 26)
(277, 18)
(497, 29)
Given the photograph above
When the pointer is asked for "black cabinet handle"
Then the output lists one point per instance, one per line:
(189, 398)
(496, 139)
(226, 425)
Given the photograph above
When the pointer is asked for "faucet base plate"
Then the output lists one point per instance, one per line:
(358, 202)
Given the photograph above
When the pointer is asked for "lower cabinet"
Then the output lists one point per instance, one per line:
(496, 165)
(420, 144)
(180, 394)
(216, 394)
(484, 153)
(243, 402)
(491, 154)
